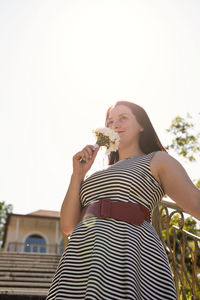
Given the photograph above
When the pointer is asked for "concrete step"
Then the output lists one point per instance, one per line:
(24, 279)
(29, 255)
(25, 259)
(30, 285)
(31, 264)
(26, 274)
(19, 269)
(21, 297)
(22, 291)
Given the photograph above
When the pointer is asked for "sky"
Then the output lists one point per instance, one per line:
(64, 62)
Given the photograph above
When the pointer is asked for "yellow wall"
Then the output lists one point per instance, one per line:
(20, 228)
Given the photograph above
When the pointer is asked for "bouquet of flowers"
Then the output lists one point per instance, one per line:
(108, 138)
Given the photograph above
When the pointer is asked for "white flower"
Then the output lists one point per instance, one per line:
(108, 138)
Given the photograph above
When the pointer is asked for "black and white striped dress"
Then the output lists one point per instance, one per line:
(109, 259)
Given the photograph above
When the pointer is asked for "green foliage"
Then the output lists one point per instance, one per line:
(190, 225)
(186, 141)
(5, 209)
(198, 184)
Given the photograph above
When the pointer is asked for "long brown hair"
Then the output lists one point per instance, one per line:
(148, 140)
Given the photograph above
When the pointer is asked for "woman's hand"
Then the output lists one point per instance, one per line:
(83, 160)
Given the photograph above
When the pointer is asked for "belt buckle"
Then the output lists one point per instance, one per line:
(105, 208)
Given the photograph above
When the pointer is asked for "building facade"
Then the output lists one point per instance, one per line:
(37, 232)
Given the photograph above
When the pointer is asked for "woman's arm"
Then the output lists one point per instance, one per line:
(71, 206)
(177, 184)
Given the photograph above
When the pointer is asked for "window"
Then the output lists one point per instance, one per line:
(35, 243)
(61, 247)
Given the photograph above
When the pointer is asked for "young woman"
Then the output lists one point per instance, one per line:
(114, 251)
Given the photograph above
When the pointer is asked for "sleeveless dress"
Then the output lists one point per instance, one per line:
(109, 259)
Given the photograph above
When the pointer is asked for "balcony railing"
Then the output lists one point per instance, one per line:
(34, 248)
(182, 248)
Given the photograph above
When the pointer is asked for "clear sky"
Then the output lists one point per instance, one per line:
(64, 62)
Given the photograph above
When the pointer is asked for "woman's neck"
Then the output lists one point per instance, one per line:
(126, 153)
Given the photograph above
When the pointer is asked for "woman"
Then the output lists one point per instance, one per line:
(114, 252)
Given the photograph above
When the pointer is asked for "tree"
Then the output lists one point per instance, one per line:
(5, 209)
(186, 141)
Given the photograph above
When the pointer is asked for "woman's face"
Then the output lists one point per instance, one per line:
(122, 120)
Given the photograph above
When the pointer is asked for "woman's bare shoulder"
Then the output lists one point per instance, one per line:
(176, 182)
(159, 161)
(162, 157)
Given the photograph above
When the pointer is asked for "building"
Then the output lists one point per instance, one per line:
(37, 232)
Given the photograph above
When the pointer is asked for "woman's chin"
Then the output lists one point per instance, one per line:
(121, 146)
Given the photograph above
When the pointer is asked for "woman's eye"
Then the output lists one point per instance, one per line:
(110, 123)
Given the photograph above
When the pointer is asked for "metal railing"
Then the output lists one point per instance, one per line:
(34, 248)
(182, 248)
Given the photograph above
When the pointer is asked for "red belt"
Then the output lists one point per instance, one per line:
(132, 213)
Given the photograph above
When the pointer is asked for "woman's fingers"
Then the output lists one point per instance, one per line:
(95, 150)
(83, 160)
(87, 153)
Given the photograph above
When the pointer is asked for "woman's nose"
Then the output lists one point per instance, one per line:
(115, 124)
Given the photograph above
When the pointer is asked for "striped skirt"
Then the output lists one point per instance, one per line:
(110, 259)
